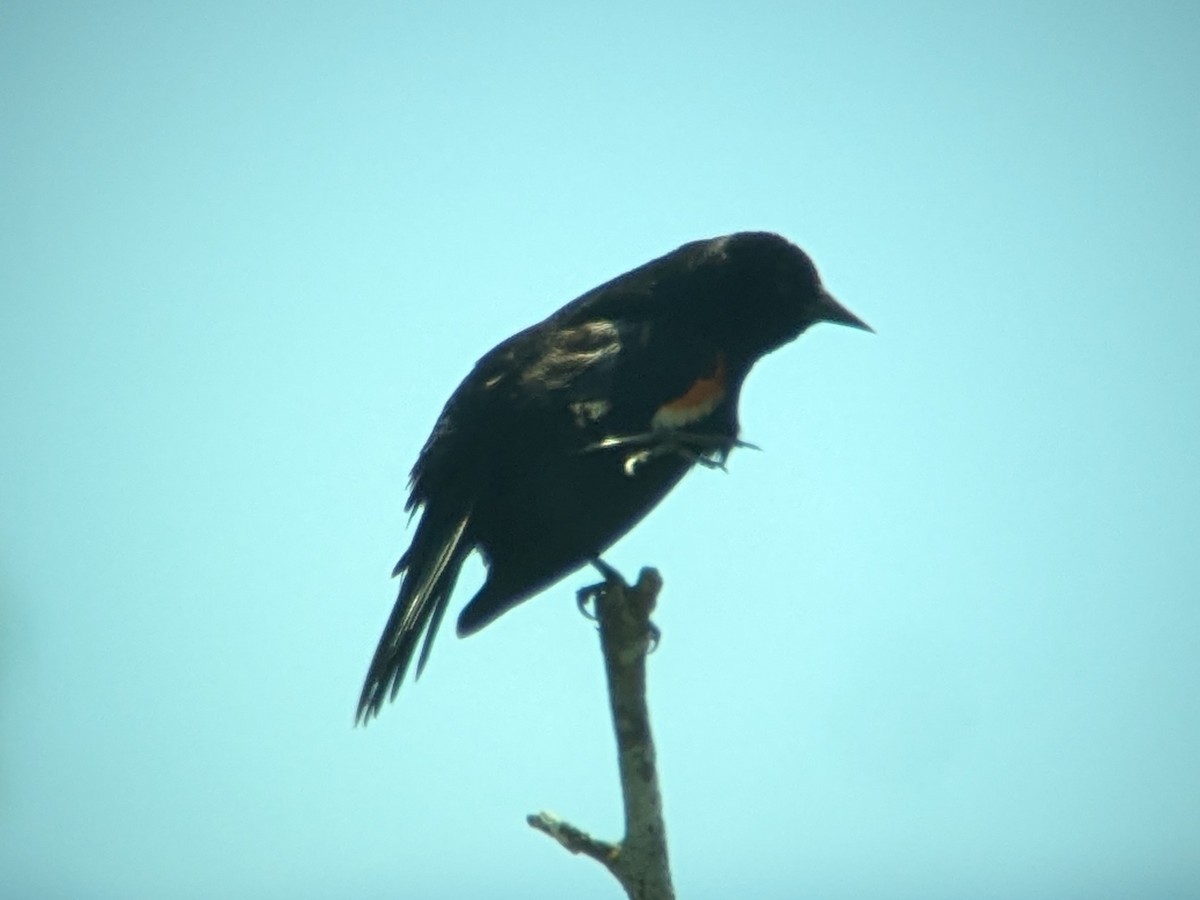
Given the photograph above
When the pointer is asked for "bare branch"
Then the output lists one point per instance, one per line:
(639, 861)
(573, 839)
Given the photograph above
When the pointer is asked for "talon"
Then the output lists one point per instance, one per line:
(707, 461)
(692, 447)
(590, 594)
(633, 460)
(586, 595)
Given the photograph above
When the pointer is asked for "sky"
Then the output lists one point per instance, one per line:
(941, 639)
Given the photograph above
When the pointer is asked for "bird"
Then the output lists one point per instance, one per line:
(565, 435)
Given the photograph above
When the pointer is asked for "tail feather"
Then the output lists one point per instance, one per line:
(430, 568)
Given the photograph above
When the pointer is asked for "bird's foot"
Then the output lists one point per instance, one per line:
(647, 587)
(708, 450)
(592, 593)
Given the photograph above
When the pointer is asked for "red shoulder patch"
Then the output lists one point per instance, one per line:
(696, 402)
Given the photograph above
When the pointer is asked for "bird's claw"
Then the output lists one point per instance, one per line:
(585, 596)
(592, 593)
(708, 450)
(654, 635)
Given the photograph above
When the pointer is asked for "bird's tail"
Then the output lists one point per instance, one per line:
(430, 569)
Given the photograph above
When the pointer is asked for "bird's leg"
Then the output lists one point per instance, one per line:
(669, 438)
(692, 446)
(611, 575)
(708, 450)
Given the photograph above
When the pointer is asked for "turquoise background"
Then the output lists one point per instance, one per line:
(939, 640)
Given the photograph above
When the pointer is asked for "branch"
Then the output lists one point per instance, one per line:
(639, 861)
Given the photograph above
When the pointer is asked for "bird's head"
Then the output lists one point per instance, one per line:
(768, 289)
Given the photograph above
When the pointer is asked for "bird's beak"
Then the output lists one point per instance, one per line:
(832, 311)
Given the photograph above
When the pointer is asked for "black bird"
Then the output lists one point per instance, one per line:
(565, 435)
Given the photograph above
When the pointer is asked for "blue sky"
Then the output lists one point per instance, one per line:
(939, 640)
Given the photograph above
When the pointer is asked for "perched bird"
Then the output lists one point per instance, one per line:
(565, 435)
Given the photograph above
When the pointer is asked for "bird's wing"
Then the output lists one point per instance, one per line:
(618, 375)
(556, 385)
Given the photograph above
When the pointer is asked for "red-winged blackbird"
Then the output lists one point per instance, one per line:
(565, 435)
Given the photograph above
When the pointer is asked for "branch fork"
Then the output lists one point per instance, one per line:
(639, 861)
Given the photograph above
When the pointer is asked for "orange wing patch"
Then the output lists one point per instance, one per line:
(696, 403)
